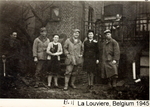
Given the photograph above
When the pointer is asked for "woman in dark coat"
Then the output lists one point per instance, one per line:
(90, 57)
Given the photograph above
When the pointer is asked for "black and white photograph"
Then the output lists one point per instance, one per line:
(94, 50)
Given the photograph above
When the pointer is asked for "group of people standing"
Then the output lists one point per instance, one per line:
(77, 53)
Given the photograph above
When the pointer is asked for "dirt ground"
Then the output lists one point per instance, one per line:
(24, 88)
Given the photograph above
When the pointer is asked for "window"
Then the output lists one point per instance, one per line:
(143, 24)
(90, 18)
(55, 14)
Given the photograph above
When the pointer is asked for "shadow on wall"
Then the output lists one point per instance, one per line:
(132, 53)
(62, 38)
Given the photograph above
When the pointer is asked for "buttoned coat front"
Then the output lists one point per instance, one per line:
(73, 51)
(90, 56)
(110, 52)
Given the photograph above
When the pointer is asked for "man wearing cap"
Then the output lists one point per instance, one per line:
(11, 50)
(110, 59)
(39, 53)
(73, 49)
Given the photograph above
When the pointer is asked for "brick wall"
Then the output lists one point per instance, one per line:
(71, 16)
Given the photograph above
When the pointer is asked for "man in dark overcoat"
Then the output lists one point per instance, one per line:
(11, 50)
(110, 59)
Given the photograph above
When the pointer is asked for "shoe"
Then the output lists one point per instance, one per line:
(49, 87)
(73, 86)
(65, 88)
(91, 87)
(87, 91)
(88, 87)
(36, 86)
(57, 87)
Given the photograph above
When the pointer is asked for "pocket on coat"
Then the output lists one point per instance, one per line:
(40, 55)
(80, 61)
(67, 61)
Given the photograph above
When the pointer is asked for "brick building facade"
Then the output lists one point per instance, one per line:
(63, 16)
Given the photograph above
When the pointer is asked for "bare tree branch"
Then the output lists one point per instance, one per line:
(35, 14)
(48, 6)
(28, 18)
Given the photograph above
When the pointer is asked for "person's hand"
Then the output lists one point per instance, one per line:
(80, 56)
(68, 55)
(55, 54)
(114, 27)
(44, 49)
(48, 57)
(114, 62)
(117, 26)
(35, 59)
(97, 61)
(3, 56)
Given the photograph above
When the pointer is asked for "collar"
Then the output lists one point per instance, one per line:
(42, 38)
(72, 40)
(55, 43)
(108, 41)
(90, 40)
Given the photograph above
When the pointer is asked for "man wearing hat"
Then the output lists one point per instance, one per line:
(39, 53)
(73, 50)
(110, 59)
(11, 49)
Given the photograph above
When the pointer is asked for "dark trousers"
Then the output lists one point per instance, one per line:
(40, 69)
(14, 66)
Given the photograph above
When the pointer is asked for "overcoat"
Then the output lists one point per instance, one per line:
(73, 51)
(90, 55)
(110, 52)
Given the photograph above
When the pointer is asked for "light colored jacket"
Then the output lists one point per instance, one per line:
(39, 48)
(73, 51)
(59, 50)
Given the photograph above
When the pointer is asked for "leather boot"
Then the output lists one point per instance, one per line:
(110, 83)
(73, 78)
(36, 85)
(67, 78)
(114, 82)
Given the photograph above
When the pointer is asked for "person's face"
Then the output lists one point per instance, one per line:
(90, 35)
(76, 35)
(108, 35)
(44, 33)
(56, 38)
(14, 35)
